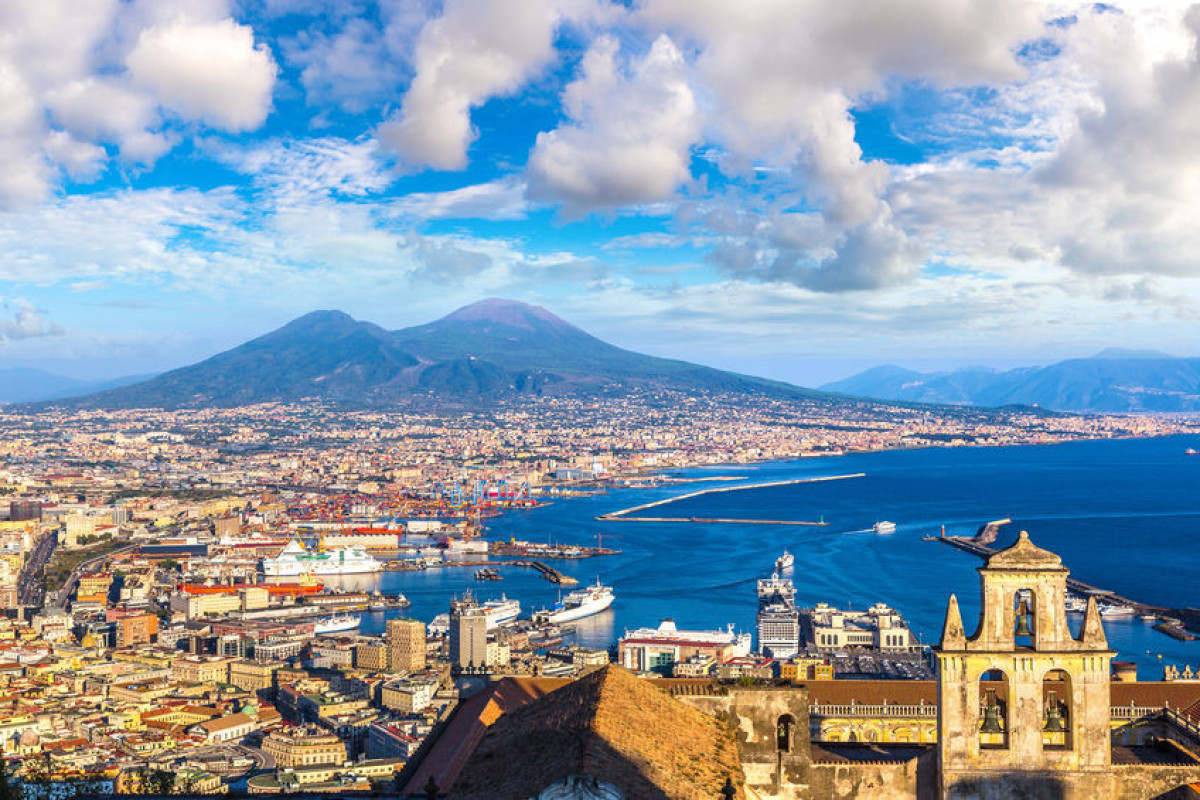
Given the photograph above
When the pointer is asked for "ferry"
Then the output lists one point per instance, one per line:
(884, 527)
(1115, 610)
(337, 624)
(785, 561)
(578, 604)
(295, 560)
(501, 611)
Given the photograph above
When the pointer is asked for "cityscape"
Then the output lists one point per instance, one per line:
(599, 400)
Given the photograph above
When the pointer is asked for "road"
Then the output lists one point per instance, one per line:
(59, 600)
(30, 584)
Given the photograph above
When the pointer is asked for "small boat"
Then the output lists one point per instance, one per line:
(884, 527)
(1148, 618)
(1191, 451)
(785, 561)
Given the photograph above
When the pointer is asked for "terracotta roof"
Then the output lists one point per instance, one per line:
(1178, 694)
(1024, 554)
(609, 725)
(470, 722)
(871, 692)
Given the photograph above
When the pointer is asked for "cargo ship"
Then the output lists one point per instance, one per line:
(295, 560)
(577, 605)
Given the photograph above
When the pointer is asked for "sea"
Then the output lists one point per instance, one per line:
(1124, 515)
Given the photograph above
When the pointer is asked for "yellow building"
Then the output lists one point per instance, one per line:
(406, 645)
(304, 747)
(201, 669)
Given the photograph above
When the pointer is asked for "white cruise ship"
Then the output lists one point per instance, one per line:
(577, 605)
(337, 624)
(295, 560)
(501, 611)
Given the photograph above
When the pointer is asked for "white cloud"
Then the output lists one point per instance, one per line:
(211, 71)
(20, 320)
(629, 138)
(476, 50)
(502, 199)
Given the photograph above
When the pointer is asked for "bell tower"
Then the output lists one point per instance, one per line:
(1023, 706)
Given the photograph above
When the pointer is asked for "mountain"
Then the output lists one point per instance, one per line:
(1113, 380)
(27, 385)
(485, 351)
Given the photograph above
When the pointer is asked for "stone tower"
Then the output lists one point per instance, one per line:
(1023, 706)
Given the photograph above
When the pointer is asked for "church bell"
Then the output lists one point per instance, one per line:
(1023, 620)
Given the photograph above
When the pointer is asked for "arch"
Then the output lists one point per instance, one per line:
(1024, 600)
(1058, 713)
(994, 719)
(785, 731)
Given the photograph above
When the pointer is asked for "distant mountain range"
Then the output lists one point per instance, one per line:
(25, 385)
(1111, 381)
(483, 352)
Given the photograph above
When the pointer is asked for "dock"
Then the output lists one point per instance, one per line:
(548, 572)
(630, 514)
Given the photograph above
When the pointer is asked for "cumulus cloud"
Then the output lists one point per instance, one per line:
(210, 71)
(476, 50)
(79, 74)
(20, 320)
(630, 135)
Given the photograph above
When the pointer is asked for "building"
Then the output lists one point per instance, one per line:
(659, 649)
(371, 656)
(24, 510)
(878, 628)
(135, 629)
(406, 645)
(304, 747)
(778, 620)
(253, 676)
(408, 696)
(201, 669)
(468, 636)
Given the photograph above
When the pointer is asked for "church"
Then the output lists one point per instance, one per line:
(1021, 708)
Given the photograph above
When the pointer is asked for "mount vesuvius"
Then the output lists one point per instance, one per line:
(483, 352)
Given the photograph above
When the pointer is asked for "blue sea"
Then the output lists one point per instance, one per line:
(1124, 515)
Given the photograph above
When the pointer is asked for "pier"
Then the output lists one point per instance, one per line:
(548, 572)
(630, 514)
(1172, 620)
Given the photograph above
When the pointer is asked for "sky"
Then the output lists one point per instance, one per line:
(790, 188)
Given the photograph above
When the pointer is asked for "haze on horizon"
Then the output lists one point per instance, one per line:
(792, 189)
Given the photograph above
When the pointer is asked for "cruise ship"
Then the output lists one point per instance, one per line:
(295, 560)
(337, 624)
(577, 605)
(501, 611)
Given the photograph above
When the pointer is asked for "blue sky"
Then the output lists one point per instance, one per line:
(794, 189)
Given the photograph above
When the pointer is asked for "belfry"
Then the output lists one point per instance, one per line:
(1023, 705)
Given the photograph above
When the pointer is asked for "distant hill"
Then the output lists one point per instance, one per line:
(27, 385)
(486, 351)
(1111, 381)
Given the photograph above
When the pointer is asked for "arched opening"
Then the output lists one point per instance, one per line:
(1024, 618)
(1057, 714)
(785, 729)
(993, 710)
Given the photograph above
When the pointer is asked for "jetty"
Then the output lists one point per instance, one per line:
(632, 514)
(1172, 620)
(548, 572)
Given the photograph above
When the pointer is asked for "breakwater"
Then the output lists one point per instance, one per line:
(631, 514)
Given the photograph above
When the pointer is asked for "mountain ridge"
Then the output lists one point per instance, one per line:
(1112, 381)
(479, 353)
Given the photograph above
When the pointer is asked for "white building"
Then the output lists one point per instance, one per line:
(878, 628)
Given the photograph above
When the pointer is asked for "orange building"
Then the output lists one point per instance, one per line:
(136, 629)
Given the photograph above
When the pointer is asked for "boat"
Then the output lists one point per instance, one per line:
(785, 561)
(501, 611)
(1075, 604)
(578, 604)
(337, 624)
(1115, 610)
(296, 560)
(1191, 451)
(884, 527)
(1148, 617)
